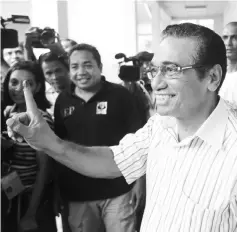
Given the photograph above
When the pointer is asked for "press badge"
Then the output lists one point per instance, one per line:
(101, 108)
(12, 185)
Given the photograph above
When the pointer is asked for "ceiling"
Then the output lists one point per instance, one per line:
(183, 9)
(194, 9)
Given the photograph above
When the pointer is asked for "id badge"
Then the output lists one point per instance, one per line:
(12, 185)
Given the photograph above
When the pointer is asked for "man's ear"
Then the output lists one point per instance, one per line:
(215, 76)
(101, 67)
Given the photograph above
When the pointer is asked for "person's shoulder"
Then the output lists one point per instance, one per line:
(63, 97)
(47, 117)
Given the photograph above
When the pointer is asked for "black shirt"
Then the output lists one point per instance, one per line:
(102, 121)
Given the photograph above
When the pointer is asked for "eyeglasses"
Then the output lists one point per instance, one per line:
(170, 70)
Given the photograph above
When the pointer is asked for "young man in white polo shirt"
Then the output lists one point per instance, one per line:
(188, 151)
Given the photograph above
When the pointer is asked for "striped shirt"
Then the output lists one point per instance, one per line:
(192, 184)
(23, 159)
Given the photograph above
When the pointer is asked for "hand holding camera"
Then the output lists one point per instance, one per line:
(41, 38)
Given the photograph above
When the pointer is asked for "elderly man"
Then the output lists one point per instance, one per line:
(13, 55)
(228, 90)
(188, 151)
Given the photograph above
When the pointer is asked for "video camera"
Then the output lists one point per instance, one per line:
(40, 37)
(9, 37)
(132, 73)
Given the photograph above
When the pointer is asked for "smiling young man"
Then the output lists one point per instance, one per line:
(95, 113)
(229, 88)
(188, 151)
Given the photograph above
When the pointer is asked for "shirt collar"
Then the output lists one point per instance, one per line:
(212, 130)
(102, 89)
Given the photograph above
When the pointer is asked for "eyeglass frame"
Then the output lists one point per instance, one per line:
(181, 68)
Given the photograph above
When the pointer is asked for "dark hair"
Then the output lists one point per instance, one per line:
(34, 68)
(87, 47)
(48, 57)
(211, 49)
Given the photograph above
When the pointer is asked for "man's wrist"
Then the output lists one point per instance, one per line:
(54, 146)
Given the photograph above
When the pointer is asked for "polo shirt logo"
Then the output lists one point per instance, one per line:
(68, 111)
(101, 107)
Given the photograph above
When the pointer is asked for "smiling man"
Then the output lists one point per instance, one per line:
(188, 151)
(229, 88)
(95, 113)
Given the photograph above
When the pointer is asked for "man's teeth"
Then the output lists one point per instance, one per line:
(163, 97)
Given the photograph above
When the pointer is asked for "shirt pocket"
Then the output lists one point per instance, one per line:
(194, 216)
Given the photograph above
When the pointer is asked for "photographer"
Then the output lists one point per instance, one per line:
(136, 81)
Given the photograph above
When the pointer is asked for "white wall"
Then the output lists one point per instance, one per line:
(44, 13)
(165, 19)
(107, 24)
(218, 24)
(160, 20)
(230, 13)
(144, 28)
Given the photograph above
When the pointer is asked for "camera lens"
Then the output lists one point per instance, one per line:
(47, 36)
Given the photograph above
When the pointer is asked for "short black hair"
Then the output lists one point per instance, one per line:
(211, 49)
(87, 47)
(50, 56)
(35, 69)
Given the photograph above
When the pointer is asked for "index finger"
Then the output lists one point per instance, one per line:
(29, 99)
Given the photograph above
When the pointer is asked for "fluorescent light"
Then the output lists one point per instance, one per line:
(148, 10)
(196, 7)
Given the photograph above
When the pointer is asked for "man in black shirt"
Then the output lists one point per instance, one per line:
(95, 113)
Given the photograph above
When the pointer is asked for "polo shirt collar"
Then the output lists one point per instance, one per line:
(212, 130)
(73, 86)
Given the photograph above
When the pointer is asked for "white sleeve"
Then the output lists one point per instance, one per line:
(131, 153)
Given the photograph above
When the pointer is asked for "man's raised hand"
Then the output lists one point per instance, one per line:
(30, 124)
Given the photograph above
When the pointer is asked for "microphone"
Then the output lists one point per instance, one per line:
(120, 56)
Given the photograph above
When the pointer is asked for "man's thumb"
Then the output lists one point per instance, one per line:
(16, 124)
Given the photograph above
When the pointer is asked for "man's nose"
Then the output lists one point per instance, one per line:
(15, 56)
(55, 76)
(81, 70)
(158, 82)
(228, 41)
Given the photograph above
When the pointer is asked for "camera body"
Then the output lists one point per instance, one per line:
(42, 36)
(133, 73)
(9, 37)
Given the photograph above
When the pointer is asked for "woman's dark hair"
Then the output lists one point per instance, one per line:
(211, 49)
(35, 69)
